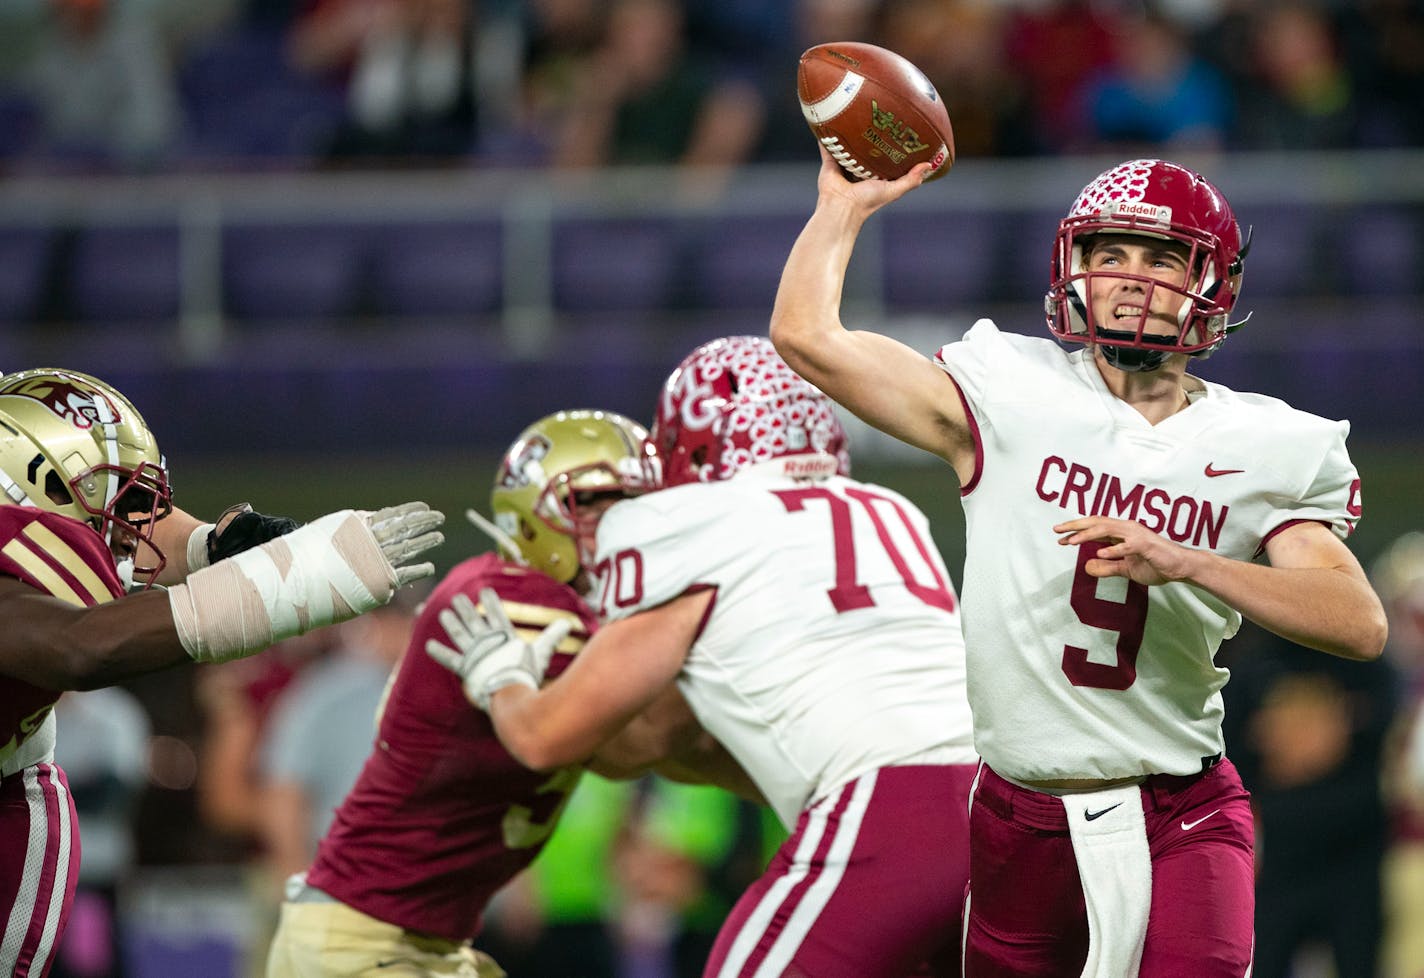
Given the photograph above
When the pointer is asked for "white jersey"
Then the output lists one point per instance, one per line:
(832, 647)
(1075, 677)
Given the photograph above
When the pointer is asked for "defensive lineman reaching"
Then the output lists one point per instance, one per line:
(812, 627)
(442, 816)
(85, 486)
(1122, 516)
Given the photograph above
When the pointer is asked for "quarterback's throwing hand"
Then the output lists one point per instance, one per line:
(488, 653)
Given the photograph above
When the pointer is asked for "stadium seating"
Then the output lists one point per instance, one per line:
(937, 263)
(626, 264)
(438, 268)
(24, 265)
(310, 272)
(243, 103)
(125, 274)
(1381, 251)
(736, 260)
(1284, 260)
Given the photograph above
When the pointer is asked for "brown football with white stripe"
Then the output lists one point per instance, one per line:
(875, 112)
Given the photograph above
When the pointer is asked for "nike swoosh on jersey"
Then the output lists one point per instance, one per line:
(1188, 826)
(1212, 473)
(1090, 816)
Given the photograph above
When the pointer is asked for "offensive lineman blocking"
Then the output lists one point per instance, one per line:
(812, 628)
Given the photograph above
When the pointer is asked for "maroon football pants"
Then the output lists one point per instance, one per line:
(1027, 917)
(871, 883)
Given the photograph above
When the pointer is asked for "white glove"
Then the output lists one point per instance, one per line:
(491, 654)
(406, 531)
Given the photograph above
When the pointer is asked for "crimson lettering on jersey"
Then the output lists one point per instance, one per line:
(57, 556)
(442, 816)
(1183, 519)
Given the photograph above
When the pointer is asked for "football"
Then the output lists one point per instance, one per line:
(875, 112)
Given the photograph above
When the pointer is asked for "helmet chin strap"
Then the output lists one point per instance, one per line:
(1133, 359)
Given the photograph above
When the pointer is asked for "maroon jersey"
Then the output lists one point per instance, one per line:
(442, 816)
(39, 862)
(61, 557)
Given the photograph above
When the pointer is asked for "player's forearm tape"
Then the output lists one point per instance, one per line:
(330, 570)
(198, 547)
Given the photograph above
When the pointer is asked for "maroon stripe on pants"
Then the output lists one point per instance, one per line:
(38, 863)
(798, 892)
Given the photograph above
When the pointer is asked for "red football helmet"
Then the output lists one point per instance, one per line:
(734, 403)
(1157, 199)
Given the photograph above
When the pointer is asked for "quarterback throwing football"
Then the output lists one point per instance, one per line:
(1122, 517)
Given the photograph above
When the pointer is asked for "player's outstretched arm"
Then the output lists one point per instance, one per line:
(880, 380)
(332, 569)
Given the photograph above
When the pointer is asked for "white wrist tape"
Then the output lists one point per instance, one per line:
(198, 547)
(328, 571)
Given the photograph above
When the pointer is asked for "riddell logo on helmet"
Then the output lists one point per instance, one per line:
(1155, 213)
(809, 466)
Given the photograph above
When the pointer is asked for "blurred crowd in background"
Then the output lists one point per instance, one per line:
(639, 875)
(180, 85)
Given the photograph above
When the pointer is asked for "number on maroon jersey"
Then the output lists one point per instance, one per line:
(524, 828)
(1127, 617)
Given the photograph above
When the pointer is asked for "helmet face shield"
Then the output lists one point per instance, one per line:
(1157, 201)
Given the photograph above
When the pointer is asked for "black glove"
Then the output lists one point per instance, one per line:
(244, 530)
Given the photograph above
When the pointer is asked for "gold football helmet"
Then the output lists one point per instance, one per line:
(72, 444)
(554, 462)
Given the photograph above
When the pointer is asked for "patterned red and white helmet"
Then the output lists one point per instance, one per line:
(734, 403)
(1158, 199)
